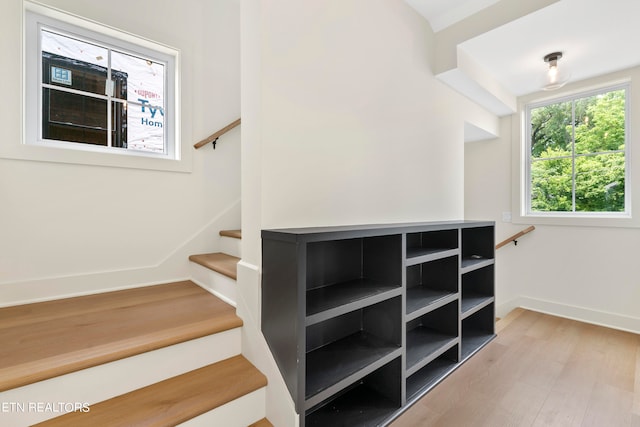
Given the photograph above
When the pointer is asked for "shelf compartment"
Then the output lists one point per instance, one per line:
(428, 245)
(431, 284)
(478, 330)
(368, 402)
(431, 374)
(341, 298)
(430, 335)
(374, 259)
(474, 302)
(478, 248)
(342, 346)
(477, 290)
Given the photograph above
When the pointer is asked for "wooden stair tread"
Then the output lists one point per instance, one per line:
(174, 400)
(236, 234)
(262, 423)
(48, 339)
(220, 262)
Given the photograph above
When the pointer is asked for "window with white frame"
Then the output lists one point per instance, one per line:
(87, 90)
(577, 155)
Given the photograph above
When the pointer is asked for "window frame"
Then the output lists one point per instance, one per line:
(521, 150)
(529, 159)
(32, 147)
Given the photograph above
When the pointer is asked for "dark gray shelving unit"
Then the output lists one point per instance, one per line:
(363, 320)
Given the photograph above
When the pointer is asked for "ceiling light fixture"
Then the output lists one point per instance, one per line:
(555, 78)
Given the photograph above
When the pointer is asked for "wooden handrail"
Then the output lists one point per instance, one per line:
(515, 237)
(213, 137)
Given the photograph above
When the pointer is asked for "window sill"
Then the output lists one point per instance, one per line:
(41, 153)
(577, 220)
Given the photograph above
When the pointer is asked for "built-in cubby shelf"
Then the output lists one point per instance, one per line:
(431, 244)
(430, 335)
(477, 290)
(345, 345)
(363, 320)
(368, 402)
(425, 378)
(477, 330)
(431, 284)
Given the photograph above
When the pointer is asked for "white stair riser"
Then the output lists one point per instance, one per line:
(240, 412)
(230, 245)
(105, 381)
(218, 284)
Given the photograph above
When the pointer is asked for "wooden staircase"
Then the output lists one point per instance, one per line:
(218, 271)
(159, 355)
(222, 263)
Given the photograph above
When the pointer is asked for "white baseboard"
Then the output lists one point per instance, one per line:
(582, 314)
(173, 267)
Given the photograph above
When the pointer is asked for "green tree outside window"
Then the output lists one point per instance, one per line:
(577, 159)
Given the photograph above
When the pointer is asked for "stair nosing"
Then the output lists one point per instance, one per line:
(219, 262)
(235, 234)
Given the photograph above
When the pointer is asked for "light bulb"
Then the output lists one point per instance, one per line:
(553, 72)
(555, 78)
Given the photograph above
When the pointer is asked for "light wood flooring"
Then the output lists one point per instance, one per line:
(541, 370)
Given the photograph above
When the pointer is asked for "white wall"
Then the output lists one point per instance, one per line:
(355, 129)
(60, 223)
(586, 273)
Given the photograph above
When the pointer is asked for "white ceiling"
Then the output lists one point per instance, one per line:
(596, 37)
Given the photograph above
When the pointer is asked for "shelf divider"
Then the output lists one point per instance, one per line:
(472, 303)
(471, 264)
(341, 298)
(420, 255)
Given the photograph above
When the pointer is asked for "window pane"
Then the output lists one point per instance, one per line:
(551, 132)
(119, 124)
(145, 88)
(600, 183)
(73, 64)
(70, 117)
(551, 186)
(145, 127)
(601, 125)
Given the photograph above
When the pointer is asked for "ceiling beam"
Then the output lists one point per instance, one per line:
(457, 69)
(492, 17)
